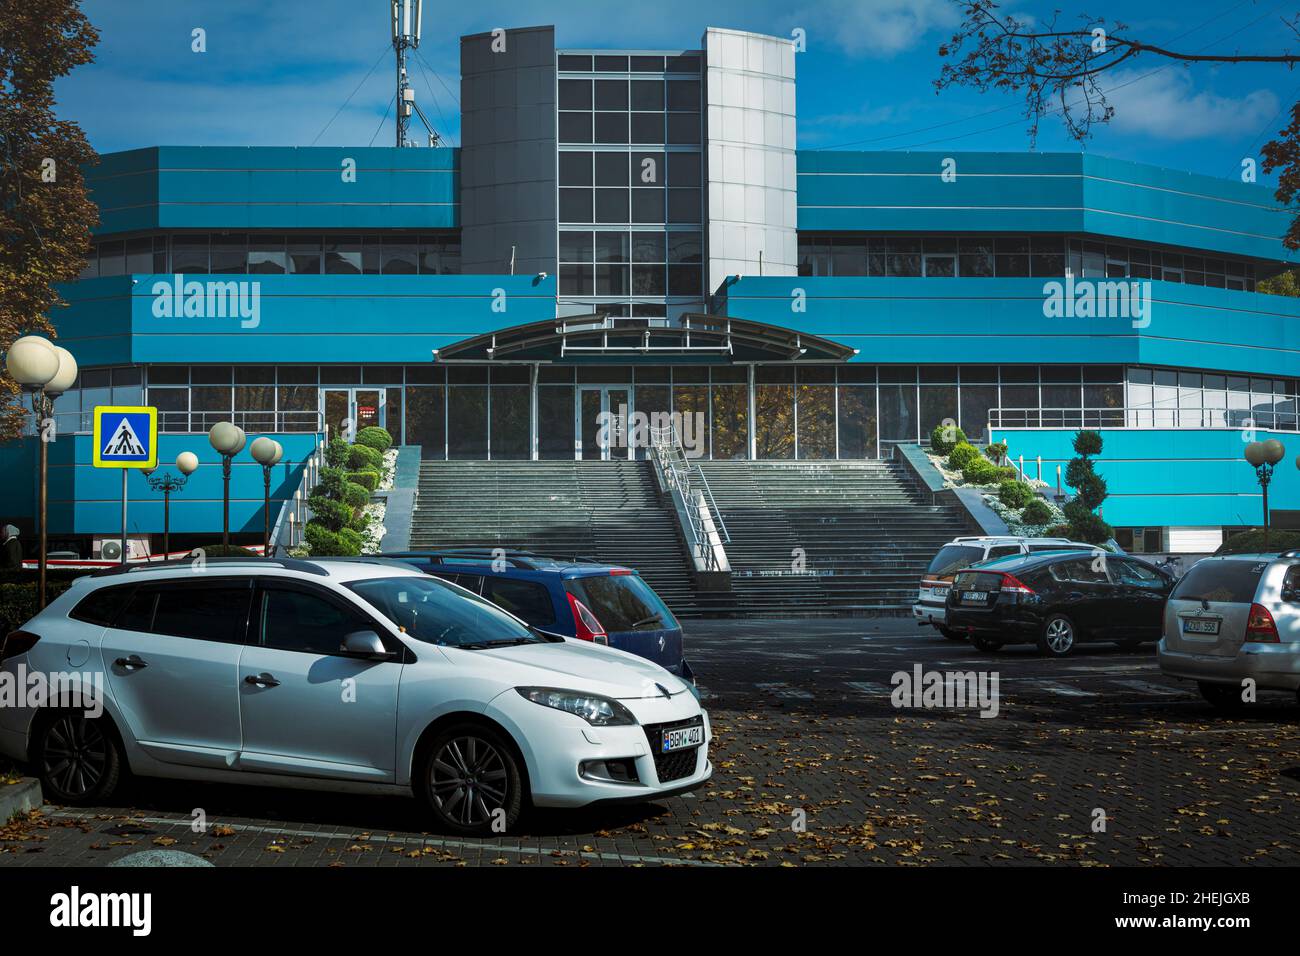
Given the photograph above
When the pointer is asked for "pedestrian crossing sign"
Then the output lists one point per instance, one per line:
(126, 436)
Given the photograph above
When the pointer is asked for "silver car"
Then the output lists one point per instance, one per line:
(1232, 619)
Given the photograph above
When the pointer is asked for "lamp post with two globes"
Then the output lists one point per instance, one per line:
(228, 440)
(187, 463)
(267, 452)
(1263, 456)
(46, 371)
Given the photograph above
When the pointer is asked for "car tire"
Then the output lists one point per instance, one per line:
(984, 644)
(1058, 636)
(951, 634)
(1224, 697)
(469, 777)
(78, 758)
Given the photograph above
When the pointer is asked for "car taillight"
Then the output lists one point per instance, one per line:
(17, 642)
(1013, 585)
(587, 626)
(1260, 627)
(619, 572)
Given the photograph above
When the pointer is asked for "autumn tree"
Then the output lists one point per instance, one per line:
(1058, 68)
(45, 213)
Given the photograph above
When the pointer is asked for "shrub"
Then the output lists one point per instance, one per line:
(351, 540)
(1252, 542)
(945, 438)
(331, 483)
(962, 454)
(359, 521)
(329, 513)
(996, 452)
(1036, 512)
(1014, 494)
(1008, 471)
(1084, 525)
(376, 438)
(980, 471)
(336, 453)
(18, 602)
(326, 543)
(363, 457)
(228, 551)
(368, 480)
(1057, 531)
(354, 495)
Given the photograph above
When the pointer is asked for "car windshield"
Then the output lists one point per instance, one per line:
(435, 612)
(1231, 582)
(622, 602)
(954, 557)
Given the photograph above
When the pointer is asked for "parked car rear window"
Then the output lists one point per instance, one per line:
(954, 557)
(622, 602)
(1229, 582)
(101, 606)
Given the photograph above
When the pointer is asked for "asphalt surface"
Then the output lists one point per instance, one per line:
(1095, 759)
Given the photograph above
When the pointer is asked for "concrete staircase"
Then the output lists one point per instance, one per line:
(608, 511)
(865, 531)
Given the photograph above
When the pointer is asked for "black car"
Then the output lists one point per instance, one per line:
(1058, 599)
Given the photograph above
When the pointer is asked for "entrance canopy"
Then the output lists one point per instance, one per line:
(606, 336)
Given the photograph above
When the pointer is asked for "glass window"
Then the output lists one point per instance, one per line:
(683, 128)
(684, 96)
(612, 205)
(610, 95)
(523, 599)
(612, 169)
(101, 606)
(575, 168)
(305, 255)
(229, 254)
(426, 409)
(189, 256)
(555, 422)
(203, 612)
(816, 421)
(612, 247)
(575, 94)
(730, 421)
(308, 622)
(343, 255)
(611, 128)
(467, 422)
(266, 255)
(857, 421)
(648, 95)
(576, 205)
(401, 256)
(684, 169)
(511, 411)
(898, 413)
(575, 128)
(774, 421)
(622, 602)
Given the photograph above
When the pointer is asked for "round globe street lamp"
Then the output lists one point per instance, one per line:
(267, 452)
(1263, 456)
(187, 463)
(228, 440)
(46, 371)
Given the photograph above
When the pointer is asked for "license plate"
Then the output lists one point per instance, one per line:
(975, 597)
(680, 738)
(1200, 626)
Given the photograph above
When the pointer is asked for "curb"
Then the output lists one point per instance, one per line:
(19, 798)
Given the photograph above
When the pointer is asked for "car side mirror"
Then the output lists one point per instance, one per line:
(365, 644)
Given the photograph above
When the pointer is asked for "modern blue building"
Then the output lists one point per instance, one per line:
(626, 229)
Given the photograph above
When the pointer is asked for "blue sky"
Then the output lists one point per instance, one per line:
(276, 73)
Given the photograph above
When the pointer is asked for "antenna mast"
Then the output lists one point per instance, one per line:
(408, 20)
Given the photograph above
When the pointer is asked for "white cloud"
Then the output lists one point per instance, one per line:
(1166, 105)
(879, 28)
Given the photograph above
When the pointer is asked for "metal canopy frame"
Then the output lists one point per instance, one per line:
(694, 334)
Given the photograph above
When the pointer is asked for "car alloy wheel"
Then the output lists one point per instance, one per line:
(471, 781)
(79, 760)
(1058, 636)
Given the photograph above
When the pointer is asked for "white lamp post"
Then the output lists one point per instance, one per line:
(266, 452)
(228, 440)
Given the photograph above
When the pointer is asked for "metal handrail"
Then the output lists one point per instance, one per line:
(689, 481)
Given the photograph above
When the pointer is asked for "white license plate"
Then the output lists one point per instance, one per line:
(1200, 626)
(975, 597)
(682, 737)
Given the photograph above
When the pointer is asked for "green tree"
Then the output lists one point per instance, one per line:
(1284, 283)
(45, 213)
(1089, 491)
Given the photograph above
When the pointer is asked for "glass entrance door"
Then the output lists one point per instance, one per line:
(602, 422)
(348, 410)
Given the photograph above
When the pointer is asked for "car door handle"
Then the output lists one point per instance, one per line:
(134, 662)
(261, 680)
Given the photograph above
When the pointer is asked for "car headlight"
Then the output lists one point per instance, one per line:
(595, 710)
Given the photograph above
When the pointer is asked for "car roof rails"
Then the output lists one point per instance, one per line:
(289, 564)
(517, 557)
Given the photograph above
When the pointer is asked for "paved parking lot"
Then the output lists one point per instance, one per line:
(1091, 760)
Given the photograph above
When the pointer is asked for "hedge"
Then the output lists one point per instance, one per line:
(336, 453)
(18, 603)
(1014, 494)
(1252, 542)
(980, 471)
(962, 454)
(326, 543)
(368, 480)
(360, 458)
(354, 495)
(331, 515)
(945, 438)
(376, 438)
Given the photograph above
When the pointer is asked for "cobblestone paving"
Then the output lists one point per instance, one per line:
(813, 766)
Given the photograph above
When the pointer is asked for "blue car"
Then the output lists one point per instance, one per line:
(577, 598)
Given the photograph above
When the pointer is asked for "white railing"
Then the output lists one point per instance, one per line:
(287, 532)
(703, 523)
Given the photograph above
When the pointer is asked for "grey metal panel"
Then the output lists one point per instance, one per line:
(508, 152)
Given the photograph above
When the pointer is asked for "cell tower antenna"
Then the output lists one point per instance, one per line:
(408, 21)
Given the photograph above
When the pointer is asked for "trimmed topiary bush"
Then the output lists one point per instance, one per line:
(996, 452)
(351, 540)
(376, 438)
(1036, 512)
(945, 438)
(1014, 494)
(362, 457)
(1057, 531)
(327, 512)
(326, 543)
(980, 471)
(1008, 471)
(368, 480)
(336, 453)
(331, 483)
(355, 495)
(1252, 542)
(962, 454)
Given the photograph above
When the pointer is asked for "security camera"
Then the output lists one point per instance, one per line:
(541, 276)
